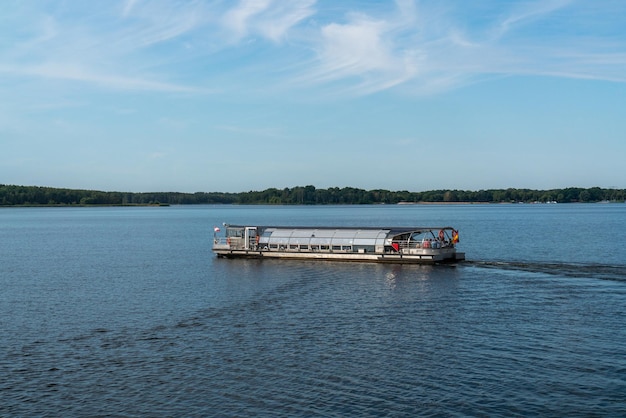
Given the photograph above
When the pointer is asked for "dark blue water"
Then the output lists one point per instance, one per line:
(125, 312)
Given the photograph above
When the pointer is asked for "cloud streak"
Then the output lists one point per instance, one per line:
(358, 49)
(437, 52)
(69, 73)
(271, 19)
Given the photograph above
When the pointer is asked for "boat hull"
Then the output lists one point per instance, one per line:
(426, 257)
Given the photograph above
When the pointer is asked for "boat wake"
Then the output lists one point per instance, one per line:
(584, 270)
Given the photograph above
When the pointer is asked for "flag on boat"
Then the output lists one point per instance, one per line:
(216, 229)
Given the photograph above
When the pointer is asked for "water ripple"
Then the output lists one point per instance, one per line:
(587, 270)
(143, 333)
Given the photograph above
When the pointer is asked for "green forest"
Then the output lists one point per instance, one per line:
(300, 195)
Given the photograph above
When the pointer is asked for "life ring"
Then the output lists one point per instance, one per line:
(228, 241)
(442, 235)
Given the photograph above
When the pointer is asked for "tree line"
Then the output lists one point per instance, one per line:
(300, 195)
(48, 196)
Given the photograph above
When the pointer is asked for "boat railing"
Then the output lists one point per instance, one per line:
(232, 242)
(220, 241)
(426, 243)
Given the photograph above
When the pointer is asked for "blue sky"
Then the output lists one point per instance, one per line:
(210, 95)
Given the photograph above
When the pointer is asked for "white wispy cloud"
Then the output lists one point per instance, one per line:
(104, 52)
(271, 19)
(527, 12)
(61, 71)
(238, 18)
(353, 48)
(148, 23)
(366, 53)
(128, 7)
(423, 49)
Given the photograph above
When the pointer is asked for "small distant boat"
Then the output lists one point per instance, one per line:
(418, 245)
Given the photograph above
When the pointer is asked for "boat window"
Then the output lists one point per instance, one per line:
(234, 232)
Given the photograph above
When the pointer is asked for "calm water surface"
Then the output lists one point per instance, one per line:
(125, 312)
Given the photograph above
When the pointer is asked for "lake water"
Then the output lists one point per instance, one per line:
(126, 312)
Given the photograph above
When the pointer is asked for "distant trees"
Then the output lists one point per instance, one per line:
(32, 195)
(300, 195)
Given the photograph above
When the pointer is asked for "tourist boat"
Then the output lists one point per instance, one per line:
(422, 245)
